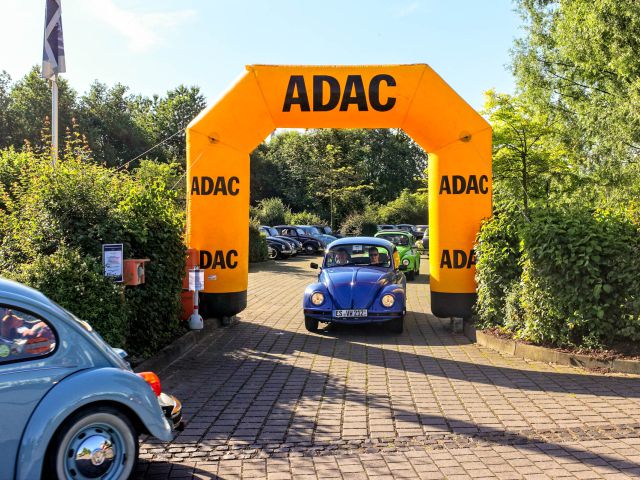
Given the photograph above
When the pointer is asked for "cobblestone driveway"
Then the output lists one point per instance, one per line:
(267, 399)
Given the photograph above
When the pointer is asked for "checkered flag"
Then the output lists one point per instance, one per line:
(53, 52)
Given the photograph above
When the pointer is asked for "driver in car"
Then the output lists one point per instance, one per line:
(342, 257)
(374, 256)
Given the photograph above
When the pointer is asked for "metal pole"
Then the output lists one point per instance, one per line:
(54, 120)
(196, 295)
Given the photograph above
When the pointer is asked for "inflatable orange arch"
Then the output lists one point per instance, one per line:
(411, 97)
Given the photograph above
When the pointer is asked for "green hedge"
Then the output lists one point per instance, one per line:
(358, 224)
(53, 222)
(572, 280)
(258, 251)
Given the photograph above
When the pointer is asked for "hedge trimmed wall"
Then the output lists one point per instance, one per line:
(53, 222)
(565, 276)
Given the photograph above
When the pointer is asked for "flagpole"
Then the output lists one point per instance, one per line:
(54, 120)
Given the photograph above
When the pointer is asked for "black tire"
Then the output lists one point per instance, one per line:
(311, 324)
(397, 325)
(84, 430)
(410, 275)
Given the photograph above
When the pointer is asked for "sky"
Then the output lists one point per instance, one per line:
(155, 45)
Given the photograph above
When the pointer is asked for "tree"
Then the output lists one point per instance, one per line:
(395, 162)
(5, 101)
(172, 114)
(29, 109)
(579, 60)
(336, 180)
(528, 162)
(106, 117)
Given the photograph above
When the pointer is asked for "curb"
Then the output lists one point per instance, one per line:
(179, 347)
(549, 355)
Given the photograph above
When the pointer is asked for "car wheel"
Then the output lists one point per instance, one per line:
(310, 249)
(273, 254)
(397, 325)
(311, 324)
(97, 443)
(410, 275)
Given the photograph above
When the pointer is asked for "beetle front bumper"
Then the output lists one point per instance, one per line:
(372, 316)
(172, 409)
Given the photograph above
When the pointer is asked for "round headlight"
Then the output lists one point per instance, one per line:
(388, 300)
(317, 298)
(405, 262)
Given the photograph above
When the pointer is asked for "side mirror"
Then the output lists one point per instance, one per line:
(314, 265)
(402, 267)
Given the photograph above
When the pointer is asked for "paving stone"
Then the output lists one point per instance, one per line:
(264, 398)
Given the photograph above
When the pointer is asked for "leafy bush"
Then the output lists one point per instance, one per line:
(580, 282)
(497, 266)
(52, 228)
(258, 251)
(76, 281)
(567, 277)
(407, 208)
(358, 224)
(272, 211)
(304, 218)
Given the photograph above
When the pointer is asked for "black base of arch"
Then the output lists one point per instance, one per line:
(444, 305)
(218, 305)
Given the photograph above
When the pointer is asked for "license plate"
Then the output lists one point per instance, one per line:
(350, 313)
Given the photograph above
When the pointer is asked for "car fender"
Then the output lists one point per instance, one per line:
(412, 259)
(396, 290)
(316, 287)
(76, 391)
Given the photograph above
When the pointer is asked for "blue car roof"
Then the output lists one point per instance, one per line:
(378, 242)
(14, 288)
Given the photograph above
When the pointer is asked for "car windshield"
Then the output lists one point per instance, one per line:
(272, 231)
(300, 231)
(421, 228)
(357, 254)
(311, 230)
(396, 239)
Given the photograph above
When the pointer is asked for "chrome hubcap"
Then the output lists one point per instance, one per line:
(95, 452)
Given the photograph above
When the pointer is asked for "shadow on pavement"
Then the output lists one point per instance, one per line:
(248, 394)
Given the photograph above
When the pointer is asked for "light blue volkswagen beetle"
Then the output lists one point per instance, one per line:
(71, 405)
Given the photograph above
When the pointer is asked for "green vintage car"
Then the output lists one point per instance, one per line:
(405, 243)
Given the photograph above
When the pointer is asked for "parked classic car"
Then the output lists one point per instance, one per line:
(409, 255)
(310, 245)
(316, 233)
(386, 227)
(423, 240)
(71, 405)
(279, 248)
(294, 244)
(360, 282)
(326, 229)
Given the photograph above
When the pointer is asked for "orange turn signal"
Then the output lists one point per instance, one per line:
(153, 381)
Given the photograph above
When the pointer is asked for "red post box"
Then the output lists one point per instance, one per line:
(134, 271)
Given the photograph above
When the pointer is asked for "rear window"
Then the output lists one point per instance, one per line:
(399, 240)
(24, 336)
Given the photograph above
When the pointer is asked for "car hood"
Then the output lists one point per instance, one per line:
(403, 250)
(354, 287)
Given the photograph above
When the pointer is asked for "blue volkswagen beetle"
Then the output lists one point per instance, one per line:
(71, 405)
(361, 281)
